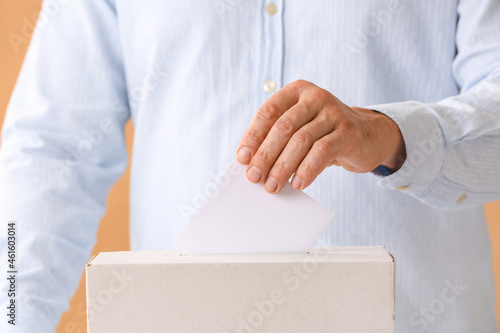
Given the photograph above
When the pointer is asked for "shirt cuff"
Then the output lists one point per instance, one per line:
(382, 171)
(425, 147)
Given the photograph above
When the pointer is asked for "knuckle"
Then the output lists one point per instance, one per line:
(279, 170)
(317, 97)
(306, 170)
(348, 127)
(302, 137)
(285, 126)
(252, 135)
(309, 103)
(319, 94)
(263, 155)
(268, 111)
(321, 147)
(330, 112)
(325, 118)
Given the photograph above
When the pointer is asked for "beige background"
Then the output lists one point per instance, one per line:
(15, 18)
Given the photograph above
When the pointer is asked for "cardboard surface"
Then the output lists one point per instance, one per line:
(327, 290)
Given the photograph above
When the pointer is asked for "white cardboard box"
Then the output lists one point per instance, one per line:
(342, 289)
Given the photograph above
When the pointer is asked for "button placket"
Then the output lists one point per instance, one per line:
(272, 48)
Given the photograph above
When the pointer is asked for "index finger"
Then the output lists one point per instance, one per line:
(264, 119)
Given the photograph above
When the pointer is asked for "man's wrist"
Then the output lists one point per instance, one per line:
(397, 152)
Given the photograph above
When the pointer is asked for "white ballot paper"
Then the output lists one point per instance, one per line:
(242, 218)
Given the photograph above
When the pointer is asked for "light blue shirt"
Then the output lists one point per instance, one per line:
(191, 74)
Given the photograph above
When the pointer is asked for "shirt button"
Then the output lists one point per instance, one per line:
(271, 8)
(403, 188)
(269, 86)
(462, 198)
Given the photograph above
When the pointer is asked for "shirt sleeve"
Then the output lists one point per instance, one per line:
(62, 149)
(453, 146)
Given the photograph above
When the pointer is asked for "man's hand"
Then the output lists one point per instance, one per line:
(302, 129)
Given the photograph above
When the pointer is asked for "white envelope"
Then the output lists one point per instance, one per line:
(244, 218)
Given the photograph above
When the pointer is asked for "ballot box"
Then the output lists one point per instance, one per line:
(330, 289)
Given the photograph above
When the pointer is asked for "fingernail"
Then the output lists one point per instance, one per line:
(254, 174)
(271, 185)
(244, 156)
(296, 182)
